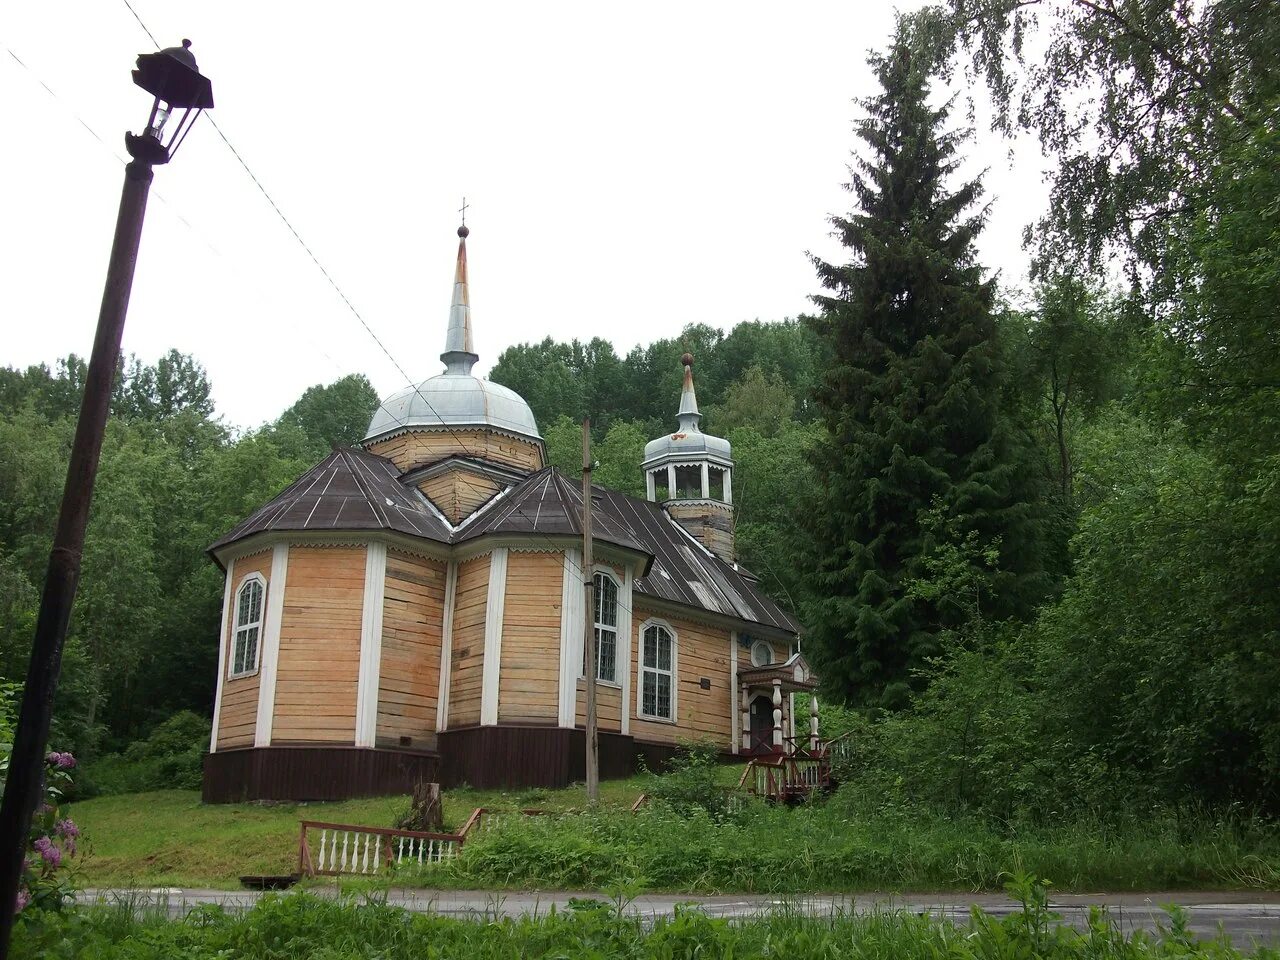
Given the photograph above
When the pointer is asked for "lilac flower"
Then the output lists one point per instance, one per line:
(23, 899)
(46, 848)
(62, 761)
(66, 828)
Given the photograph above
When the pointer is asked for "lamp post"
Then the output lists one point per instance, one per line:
(180, 93)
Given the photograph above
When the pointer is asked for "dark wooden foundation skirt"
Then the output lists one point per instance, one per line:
(313, 773)
(499, 757)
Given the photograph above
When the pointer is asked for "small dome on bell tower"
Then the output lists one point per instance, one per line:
(691, 474)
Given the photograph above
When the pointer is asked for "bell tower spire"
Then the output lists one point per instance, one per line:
(459, 353)
(690, 473)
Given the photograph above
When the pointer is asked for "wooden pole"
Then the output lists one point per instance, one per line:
(26, 763)
(589, 633)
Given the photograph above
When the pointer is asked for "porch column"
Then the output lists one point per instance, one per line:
(777, 715)
(813, 722)
(746, 721)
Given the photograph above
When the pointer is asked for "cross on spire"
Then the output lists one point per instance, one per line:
(463, 211)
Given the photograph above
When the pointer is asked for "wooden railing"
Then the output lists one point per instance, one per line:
(783, 777)
(348, 849)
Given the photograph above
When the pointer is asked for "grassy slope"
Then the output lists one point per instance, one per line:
(169, 838)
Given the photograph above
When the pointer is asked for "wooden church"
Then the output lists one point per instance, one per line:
(413, 608)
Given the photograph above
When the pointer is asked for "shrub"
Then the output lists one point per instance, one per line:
(171, 758)
(46, 881)
(691, 781)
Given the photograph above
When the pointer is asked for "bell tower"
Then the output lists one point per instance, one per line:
(691, 474)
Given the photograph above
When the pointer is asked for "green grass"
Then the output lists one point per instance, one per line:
(169, 838)
(304, 926)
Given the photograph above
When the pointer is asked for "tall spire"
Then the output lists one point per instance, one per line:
(459, 354)
(688, 413)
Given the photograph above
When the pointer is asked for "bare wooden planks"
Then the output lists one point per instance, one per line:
(409, 678)
(467, 669)
(420, 447)
(320, 646)
(457, 493)
(701, 652)
(528, 684)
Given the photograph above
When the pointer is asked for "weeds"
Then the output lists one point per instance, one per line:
(305, 926)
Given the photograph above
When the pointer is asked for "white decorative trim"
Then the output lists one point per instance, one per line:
(270, 653)
(236, 626)
(446, 645)
(222, 655)
(624, 651)
(735, 735)
(675, 671)
(375, 582)
(494, 604)
(572, 597)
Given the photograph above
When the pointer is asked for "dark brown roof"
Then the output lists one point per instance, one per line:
(355, 490)
(548, 503)
(347, 490)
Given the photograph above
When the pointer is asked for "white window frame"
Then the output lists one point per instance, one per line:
(597, 626)
(641, 669)
(768, 647)
(237, 626)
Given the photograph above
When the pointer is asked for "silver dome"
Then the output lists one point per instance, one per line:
(454, 400)
(688, 444)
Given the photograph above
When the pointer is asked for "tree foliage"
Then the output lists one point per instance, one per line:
(910, 404)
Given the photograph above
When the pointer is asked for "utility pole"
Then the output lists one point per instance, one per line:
(171, 76)
(589, 634)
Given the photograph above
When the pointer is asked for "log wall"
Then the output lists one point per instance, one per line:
(418, 448)
(239, 712)
(528, 681)
(467, 664)
(701, 651)
(319, 646)
(458, 493)
(409, 682)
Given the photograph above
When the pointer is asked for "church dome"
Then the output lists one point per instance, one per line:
(455, 398)
(694, 444)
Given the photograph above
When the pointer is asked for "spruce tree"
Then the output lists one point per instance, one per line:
(920, 493)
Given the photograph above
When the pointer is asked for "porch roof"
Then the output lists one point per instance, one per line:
(795, 673)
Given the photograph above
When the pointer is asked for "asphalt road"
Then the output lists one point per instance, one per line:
(1247, 918)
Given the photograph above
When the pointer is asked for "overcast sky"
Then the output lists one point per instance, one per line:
(629, 169)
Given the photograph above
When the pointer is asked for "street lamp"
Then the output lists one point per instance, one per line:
(172, 78)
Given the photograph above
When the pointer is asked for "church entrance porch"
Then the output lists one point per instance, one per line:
(768, 725)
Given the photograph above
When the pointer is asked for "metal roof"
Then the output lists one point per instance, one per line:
(454, 400)
(347, 490)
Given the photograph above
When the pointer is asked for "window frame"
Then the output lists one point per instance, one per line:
(768, 647)
(673, 673)
(614, 681)
(237, 627)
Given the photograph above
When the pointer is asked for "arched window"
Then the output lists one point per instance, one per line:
(606, 594)
(657, 672)
(248, 627)
(761, 654)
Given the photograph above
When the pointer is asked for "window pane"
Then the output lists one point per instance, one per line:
(649, 698)
(664, 650)
(606, 655)
(255, 603)
(651, 647)
(251, 648)
(606, 601)
(664, 695)
(242, 606)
